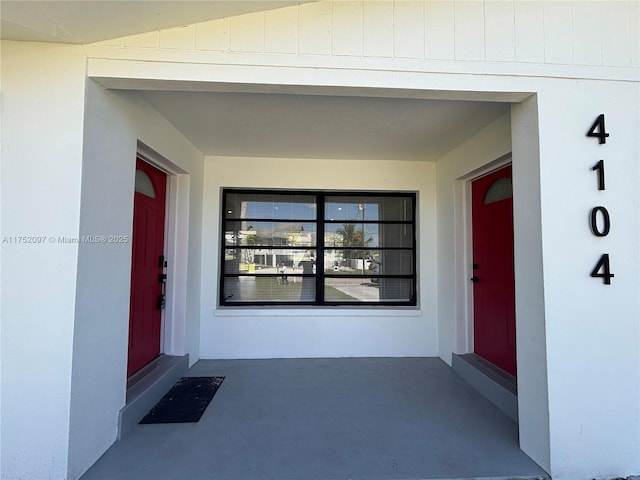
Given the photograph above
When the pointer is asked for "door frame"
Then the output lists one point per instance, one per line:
(172, 327)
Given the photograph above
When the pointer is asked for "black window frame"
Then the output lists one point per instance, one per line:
(320, 221)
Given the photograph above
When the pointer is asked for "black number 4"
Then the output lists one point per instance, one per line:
(603, 264)
(597, 130)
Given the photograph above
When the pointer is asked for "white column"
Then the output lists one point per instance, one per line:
(42, 116)
(592, 329)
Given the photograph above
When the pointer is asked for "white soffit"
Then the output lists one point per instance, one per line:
(86, 21)
(323, 126)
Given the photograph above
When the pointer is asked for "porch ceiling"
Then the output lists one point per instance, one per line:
(322, 126)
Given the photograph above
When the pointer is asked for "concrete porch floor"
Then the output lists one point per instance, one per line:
(322, 419)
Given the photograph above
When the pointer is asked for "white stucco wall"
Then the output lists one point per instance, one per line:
(68, 161)
(279, 332)
(592, 330)
(42, 116)
(114, 124)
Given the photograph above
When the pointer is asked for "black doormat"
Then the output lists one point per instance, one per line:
(185, 402)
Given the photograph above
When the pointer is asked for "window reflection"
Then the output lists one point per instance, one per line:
(270, 206)
(272, 253)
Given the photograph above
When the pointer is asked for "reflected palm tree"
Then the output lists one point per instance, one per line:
(352, 237)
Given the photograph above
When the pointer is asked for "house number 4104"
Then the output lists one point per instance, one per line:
(600, 220)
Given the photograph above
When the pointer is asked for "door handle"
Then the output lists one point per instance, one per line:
(474, 279)
(162, 278)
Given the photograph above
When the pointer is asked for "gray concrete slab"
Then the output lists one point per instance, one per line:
(321, 419)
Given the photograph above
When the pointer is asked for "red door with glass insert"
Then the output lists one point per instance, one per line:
(147, 266)
(493, 274)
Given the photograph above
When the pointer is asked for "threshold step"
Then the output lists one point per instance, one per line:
(147, 386)
(494, 384)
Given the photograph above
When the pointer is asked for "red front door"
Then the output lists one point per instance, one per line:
(494, 284)
(145, 310)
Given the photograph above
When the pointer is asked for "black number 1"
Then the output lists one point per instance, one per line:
(599, 167)
(597, 130)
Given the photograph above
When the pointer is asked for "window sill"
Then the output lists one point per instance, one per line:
(317, 312)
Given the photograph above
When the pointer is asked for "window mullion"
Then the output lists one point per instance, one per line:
(320, 249)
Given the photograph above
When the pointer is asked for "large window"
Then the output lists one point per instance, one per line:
(318, 248)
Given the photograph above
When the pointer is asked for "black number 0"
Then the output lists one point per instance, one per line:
(606, 222)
